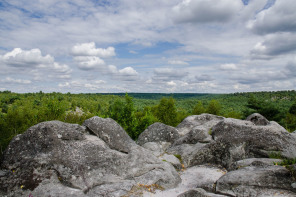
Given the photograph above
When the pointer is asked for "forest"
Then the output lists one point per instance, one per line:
(136, 111)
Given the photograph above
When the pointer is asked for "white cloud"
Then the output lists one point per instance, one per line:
(201, 11)
(89, 49)
(171, 83)
(89, 62)
(128, 71)
(177, 62)
(228, 67)
(23, 58)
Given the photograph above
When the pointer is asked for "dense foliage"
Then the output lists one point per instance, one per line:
(135, 112)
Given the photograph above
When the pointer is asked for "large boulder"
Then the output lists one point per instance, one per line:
(257, 181)
(202, 122)
(158, 132)
(257, 141)
(60, 159)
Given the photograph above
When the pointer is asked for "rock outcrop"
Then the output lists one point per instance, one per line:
(97, 159)
(205, 155)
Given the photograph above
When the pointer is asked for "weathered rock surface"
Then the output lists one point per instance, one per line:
(158, 148)
(254, 181)
(258, 119)
(65, 159)
(255, 162)
(201, 122)
(257, 141)
(202, 176)
(158, 132)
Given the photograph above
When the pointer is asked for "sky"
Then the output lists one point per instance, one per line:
(155, 46)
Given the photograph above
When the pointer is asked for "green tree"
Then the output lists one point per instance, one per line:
(166, 111)
(198, 109)
(214, 107)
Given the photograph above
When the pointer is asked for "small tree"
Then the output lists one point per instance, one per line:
(166, 111)
(214, 107)
(198, 109)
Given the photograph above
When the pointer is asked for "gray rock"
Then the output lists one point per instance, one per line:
(110, 132)
(258, 119)
(255, 181)
(205, 121)
(66, 159)
(258, 141)
(254, 162)
(197, 134)
(158, 148)
(172, 160)
(158, 132)
(198, 192)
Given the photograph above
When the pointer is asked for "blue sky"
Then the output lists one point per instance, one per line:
(147, 46)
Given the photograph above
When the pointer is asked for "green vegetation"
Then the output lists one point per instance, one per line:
(135, 112)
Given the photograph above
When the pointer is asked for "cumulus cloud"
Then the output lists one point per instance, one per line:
(80, 84)
(89, 62)
(89, 49)
(228, 67)
(177, 62)
(26, 58)
(88, 57)
(32, 62)
(168, 74)
(201, 11)
(171, 83)
(128, 71)
(278, 18)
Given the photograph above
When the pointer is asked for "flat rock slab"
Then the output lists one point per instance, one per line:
(254, 180)
(195, 177)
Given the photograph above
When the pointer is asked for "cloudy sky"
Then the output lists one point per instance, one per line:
(147, 46)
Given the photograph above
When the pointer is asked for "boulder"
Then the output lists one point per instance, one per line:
(204, 121)
(58, 159)
(197, 134)
(157, 148)
(257, 141)
(171, 159)
(258, 119)
(158, 132)
(256, 181)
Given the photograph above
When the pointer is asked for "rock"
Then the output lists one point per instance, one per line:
(61, 159)
(111, 133)
(255, 162)
(197, 134)
(158, 148)
(256, 181)
(172, 159)
(158, 132)
(198, 192)
(257, 141)
(258, 119)
(205, 121)
(204, 176)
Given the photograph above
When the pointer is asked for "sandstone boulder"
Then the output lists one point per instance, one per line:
(158, 132)
(256, 181)
(257, 141)
(63, 159)
(204, 121)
